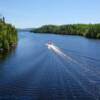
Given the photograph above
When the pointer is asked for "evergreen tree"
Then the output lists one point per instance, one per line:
(8, 35)
(87, 30)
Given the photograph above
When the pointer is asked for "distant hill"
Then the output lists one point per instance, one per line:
(86, 30)
(24, 29)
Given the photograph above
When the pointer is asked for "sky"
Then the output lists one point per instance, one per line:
(34, 13)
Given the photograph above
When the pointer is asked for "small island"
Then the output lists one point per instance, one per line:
(8, 35)
(86, 30)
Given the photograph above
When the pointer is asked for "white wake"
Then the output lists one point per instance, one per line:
(59, 52)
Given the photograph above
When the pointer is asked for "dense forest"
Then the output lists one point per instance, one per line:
(8, 35)
(86, 30)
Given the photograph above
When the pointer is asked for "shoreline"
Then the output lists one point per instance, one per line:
(52, 33)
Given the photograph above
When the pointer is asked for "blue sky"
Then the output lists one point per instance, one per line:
(34, 13)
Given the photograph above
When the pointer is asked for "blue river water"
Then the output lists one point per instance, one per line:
(70, 70)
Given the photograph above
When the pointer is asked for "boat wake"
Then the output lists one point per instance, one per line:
(59, 52)
(71, 60)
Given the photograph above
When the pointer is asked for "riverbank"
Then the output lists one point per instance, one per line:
(86, 30)
(8, 36)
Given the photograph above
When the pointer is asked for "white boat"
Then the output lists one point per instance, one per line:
(49, 44)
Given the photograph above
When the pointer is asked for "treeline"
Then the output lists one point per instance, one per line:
(87, 30)
(8, 35)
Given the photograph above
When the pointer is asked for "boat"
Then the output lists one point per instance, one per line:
(49, 44)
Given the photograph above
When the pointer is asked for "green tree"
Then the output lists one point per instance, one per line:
(8, 35)
(87, 30)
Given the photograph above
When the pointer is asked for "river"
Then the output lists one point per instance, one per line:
(68, 70)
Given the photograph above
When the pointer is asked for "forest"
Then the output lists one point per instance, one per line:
(86, 30)
(8, 35)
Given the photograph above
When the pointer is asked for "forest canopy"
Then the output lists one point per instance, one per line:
(86, 30)
(8, 35)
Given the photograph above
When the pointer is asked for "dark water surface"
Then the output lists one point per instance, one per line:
(34, 72)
